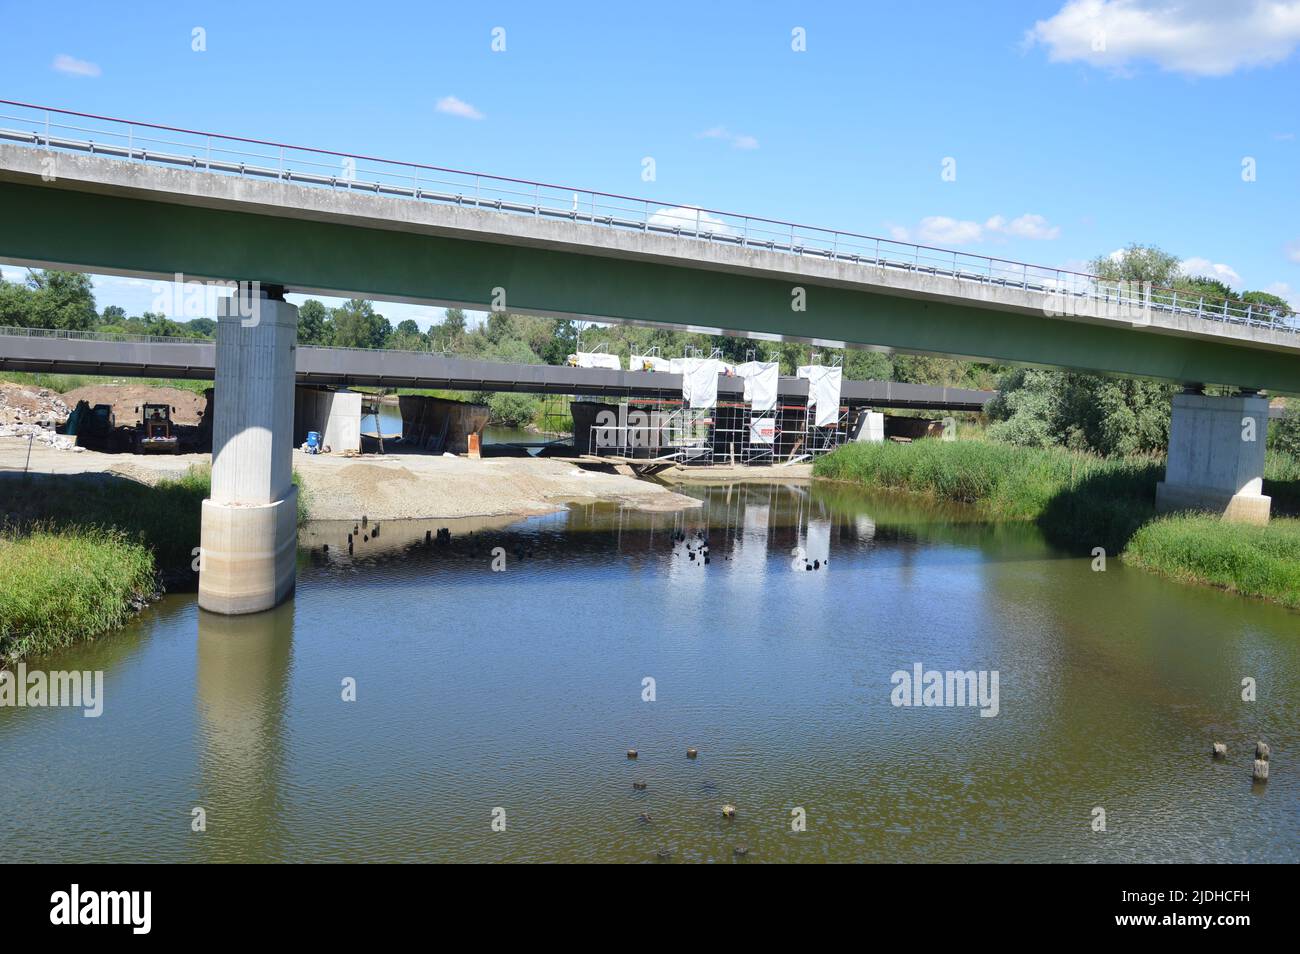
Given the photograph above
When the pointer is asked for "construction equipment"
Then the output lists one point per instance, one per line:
(155, 434)
(95, 428)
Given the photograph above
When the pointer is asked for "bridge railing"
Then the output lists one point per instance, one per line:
(1062, 290)
(13, 331)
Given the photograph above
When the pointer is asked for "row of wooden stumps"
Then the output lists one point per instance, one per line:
(1259, 771)
(728, 810)
(357, 531)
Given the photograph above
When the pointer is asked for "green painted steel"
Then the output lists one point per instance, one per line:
(92, 231)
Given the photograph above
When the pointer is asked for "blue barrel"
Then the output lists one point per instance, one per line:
(313, 439)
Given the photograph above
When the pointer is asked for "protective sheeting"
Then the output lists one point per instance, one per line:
(598, 359)
(823, 392)
(761, 378)
(700, 381)
(648, 362)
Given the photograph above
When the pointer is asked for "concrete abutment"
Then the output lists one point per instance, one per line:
(1216, 457)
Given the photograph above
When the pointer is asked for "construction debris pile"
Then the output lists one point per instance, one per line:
(34, 412)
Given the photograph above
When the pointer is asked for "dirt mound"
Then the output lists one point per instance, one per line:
(30, 404)
(125, 398)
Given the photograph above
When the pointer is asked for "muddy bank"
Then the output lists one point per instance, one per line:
(394, 487)
(415, 486)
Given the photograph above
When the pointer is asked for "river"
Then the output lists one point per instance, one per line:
(513, 696)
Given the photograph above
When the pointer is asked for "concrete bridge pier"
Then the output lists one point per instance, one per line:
(250, 526)
(1216, 457)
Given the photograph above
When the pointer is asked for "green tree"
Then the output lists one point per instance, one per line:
(1089, 412)
(1284, 433)
(50, 299)
(358, 325)
(1272, 307)
(202, 327)
(313, 323)
(1138, 263)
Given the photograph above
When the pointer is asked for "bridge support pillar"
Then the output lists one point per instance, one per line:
(250, 527)
(1216, 457)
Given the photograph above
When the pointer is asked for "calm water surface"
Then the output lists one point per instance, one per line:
(522, 690)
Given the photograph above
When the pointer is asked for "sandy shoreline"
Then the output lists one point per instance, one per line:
(393, 487)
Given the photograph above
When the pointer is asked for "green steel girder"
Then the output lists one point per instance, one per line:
(107, 232)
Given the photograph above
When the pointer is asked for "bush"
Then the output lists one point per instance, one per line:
(1084, 412)
(1284, 433)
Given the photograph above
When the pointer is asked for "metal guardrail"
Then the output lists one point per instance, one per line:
(21, 332)
(56, 129)
(16, 331)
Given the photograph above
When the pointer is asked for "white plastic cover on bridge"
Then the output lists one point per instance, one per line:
(598, 359)
(823, 391)
(648, 362)
(761, 379)
(700, 381)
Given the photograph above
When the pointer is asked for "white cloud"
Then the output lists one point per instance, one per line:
(1026, 226)
(453, 106)
(688, 219)
(944, 230)
(75, 67)
(1204, 268)
(1196, 37)
(1293, 251)
(737, 140)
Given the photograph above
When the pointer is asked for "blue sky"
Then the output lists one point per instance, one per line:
(1076, 127)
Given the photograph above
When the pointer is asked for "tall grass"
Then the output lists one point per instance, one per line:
(78, 551)
(1258, 561)
(1081, 501)
(63, 585)
(1010, 483)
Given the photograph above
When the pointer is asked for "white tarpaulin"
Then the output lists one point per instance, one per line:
(700, 381)
(648, 362)
(598, 359)
(760, 383)
(823, 391)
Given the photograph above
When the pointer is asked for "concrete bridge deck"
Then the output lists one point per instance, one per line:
(107, 195)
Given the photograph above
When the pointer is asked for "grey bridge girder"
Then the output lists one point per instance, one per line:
(344, 367)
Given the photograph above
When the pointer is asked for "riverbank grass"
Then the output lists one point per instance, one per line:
(1081, 501)
(63, 585)
(1257, 561)
(79, 552)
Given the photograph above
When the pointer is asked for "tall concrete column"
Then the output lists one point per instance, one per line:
(1216, 457)
(250, 522)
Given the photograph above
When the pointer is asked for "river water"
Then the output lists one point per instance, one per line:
(514, 696)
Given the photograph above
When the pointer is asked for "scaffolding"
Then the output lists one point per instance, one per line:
(645, 429)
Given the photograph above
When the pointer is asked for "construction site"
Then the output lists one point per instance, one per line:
(686, 413)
